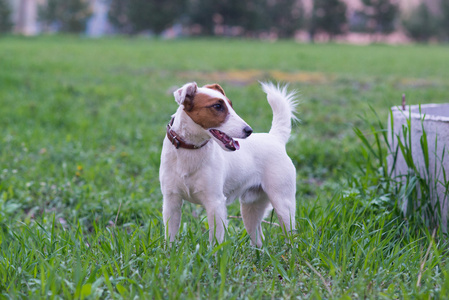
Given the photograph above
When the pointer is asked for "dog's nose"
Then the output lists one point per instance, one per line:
(247, 130)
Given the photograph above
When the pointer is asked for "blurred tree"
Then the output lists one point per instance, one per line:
(328, 16)
(48, 13)
(212, 14)
(156, 15)
(421, 25)
(285, 16)
(201, 12)
(133, 16)
(382, 15)
(5, 16)
(68, 15)
(118, 15)
(74, 15)
(444, 23)
(358, 22)
(282, 16)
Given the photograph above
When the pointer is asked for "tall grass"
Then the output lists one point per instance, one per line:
(346, 248)
(415, 192)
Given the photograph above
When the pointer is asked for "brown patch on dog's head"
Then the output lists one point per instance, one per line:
(206, 111)
(217, 87)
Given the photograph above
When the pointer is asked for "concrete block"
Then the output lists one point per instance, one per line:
(434, 119)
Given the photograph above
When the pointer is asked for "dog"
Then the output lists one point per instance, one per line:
(210, 157)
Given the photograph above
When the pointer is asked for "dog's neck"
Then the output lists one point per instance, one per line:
(188, 130)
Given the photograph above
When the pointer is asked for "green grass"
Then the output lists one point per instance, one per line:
(82, 122)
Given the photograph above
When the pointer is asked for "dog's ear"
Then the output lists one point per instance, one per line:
(215, 86)
(185, 94)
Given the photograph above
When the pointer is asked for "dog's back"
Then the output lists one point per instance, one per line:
(261, 173)
(264, 153)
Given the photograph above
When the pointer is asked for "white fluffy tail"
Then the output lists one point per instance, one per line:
(283, 104)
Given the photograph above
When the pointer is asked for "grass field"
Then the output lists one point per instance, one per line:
(82, 122)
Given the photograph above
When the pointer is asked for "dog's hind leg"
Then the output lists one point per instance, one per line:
(253, 214)
(285, 210)
(285, 207)
(281, 191)
(283, 200)
(171, 214)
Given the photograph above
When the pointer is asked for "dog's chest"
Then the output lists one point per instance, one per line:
(186, 176)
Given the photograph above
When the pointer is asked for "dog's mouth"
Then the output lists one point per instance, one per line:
(228, 142)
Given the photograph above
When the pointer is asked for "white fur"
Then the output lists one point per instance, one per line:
(188, 89)
(261, 174)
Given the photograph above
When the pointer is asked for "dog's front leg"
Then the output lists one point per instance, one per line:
(171, 213)
(216, 217)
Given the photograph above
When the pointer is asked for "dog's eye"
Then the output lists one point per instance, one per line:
(218, 107)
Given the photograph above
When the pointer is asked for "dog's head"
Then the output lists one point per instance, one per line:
(209, 107)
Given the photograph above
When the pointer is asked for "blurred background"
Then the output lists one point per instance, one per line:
(353, 21)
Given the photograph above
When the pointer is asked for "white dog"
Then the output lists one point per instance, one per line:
(256, 169)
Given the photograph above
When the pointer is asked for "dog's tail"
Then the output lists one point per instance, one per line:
(283, 104)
